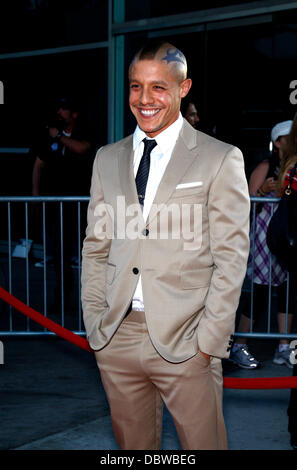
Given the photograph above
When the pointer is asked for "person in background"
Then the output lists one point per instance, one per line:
(61, 153)
(63, 159)
(263, 182)
(189, 112)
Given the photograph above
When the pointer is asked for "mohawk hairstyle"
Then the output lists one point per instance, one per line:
(150, 49)
(163, 52)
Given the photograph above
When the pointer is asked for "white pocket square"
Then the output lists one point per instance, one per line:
(194, 184)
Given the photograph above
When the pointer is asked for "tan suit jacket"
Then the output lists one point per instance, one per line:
(191, 288)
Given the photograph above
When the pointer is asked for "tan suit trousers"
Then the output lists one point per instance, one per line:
(137, 380)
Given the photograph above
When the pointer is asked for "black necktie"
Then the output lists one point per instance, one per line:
(144, 169)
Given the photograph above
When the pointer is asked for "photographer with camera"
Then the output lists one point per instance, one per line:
(62, 167)
(59, 167)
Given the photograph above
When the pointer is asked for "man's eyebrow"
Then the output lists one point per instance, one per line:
(159, 82)
(154, 82)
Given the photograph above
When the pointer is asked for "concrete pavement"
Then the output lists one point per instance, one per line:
(52, 398)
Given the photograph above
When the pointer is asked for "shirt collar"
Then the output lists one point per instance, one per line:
(165, 140)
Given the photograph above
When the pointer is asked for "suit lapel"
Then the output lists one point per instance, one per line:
(126, 173)
(184, 153)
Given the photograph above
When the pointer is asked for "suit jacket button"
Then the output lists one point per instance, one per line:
(135, 270)
(145, 232)
(228, 349)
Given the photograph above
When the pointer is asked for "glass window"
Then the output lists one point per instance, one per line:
(42, 24)
(153, 8)
(32, 86)
(249, 70)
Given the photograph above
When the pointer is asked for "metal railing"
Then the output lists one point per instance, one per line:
(249, 282)
(34, 277)
(31, 275)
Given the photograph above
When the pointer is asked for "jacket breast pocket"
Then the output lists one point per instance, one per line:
(188, 192)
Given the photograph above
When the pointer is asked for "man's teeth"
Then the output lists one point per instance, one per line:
(149, 112)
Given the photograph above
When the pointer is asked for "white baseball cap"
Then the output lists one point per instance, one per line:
(282, 128)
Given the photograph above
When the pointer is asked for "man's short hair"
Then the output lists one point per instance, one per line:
(150, 49)
(163, 51)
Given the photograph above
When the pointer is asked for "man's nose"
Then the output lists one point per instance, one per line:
(146, 96)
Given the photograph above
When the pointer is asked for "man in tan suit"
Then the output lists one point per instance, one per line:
(164, 259)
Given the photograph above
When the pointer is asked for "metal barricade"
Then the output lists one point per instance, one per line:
(31, 275)
(35, 285)
(271, 329)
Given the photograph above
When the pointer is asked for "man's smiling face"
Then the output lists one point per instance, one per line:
(155, 95)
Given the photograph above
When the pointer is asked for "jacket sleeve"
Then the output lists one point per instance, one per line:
(228, 212)
(95, 254)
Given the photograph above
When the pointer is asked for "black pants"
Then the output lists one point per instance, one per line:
(261, 293)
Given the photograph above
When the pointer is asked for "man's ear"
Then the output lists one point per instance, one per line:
(185, 87)
(74, 114)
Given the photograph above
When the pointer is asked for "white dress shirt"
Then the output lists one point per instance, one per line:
(160, 157)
